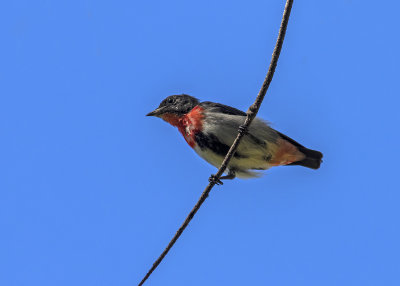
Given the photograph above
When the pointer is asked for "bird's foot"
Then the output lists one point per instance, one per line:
(243, 129)
(213, 179)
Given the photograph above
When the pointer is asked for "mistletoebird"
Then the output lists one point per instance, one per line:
(210, 129)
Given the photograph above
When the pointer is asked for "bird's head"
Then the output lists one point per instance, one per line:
(175, 105)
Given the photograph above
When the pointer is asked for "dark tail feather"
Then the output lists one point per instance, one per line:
(313, 158)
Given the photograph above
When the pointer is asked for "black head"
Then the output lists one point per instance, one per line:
(175, 104)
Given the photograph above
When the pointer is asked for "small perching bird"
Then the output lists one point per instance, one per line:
(210, 129)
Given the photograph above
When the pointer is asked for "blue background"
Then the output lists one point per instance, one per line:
(91, 190)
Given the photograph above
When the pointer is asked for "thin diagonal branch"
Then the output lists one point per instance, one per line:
(251, 114)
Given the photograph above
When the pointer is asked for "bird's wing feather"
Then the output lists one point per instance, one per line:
(221, 108)
(225, 127)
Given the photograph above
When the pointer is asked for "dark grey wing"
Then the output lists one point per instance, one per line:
(218, 107)
(225, 109)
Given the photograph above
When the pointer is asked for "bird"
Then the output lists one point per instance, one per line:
(210, 129)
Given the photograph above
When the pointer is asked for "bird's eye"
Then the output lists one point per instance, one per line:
(170, 100)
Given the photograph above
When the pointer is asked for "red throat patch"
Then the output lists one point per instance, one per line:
(188, 124)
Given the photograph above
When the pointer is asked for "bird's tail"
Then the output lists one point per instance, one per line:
(313, 158)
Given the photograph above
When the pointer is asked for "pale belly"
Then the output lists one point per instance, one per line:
(241, 165)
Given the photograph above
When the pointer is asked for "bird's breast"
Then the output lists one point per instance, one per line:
(190, 124)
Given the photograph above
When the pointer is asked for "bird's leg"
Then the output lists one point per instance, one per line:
(231, 175)
(214, 179)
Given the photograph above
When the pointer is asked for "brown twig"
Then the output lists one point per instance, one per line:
(251, 114)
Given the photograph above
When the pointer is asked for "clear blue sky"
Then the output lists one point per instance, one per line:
(91, 190)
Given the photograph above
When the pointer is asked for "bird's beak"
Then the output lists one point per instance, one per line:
(156, 112)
